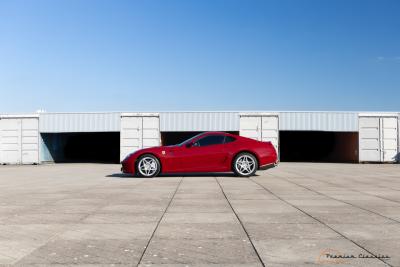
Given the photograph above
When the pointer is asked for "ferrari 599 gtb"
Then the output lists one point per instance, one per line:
(206, 152)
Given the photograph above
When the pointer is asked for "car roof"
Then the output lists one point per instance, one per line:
(218, 133)
(222, 133)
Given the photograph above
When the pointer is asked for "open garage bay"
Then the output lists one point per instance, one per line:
(96, 147)
(293, 215)
(318, 146)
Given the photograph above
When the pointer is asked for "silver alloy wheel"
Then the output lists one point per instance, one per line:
(245, 165)
(147, 166)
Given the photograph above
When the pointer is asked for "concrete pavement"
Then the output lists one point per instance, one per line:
(297, 214)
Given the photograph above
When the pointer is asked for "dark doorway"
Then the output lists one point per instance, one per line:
(101, 147)
(318, 146)
(173, 138)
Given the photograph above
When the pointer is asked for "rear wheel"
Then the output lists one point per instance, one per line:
(148, 166)
(245, 164)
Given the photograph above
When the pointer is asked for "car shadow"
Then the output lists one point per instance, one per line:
(209, 174)
(121, 175)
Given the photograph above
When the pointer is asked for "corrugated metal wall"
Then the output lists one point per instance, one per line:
(319, 121)
(199, 121)
(229, 121)
(80, 122)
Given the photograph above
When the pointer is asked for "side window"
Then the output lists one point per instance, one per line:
(229, 139)
(210, 140)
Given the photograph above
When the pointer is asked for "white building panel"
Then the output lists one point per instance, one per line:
(30, 140)
(370, 143)
(138, 130)
(378, 138)
(151, 131)
(389, 139)
(19, 140)
(270, 130)
(369, 139)
(10, 147)
(260, 126)
(131, 135)
(250, 126)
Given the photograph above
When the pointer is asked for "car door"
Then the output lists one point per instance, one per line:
(206, 154)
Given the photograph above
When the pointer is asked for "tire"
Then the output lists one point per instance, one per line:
(147, 166)
(245, 164)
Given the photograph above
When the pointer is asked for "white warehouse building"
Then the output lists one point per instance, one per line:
(110, 136)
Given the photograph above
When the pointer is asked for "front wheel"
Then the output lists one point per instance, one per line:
(148, 166)
(245, 164)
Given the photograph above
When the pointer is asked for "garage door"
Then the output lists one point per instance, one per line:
(19, 140)
(378, 139)
(138, 132)
(261, 127)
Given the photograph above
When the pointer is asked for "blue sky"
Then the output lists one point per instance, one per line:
(154, 55)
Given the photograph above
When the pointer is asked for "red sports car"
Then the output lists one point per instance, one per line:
(206, 152)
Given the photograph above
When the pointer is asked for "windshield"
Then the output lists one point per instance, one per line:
(190, 139)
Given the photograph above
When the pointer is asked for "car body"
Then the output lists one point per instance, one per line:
(206, 152)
